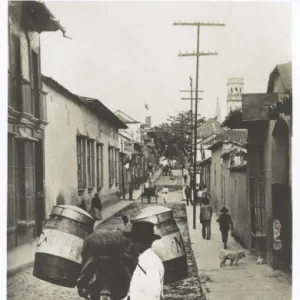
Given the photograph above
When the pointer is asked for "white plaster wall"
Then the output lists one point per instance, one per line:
(133, 132)
(66, 120)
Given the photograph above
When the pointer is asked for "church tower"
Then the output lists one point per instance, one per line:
(235, 89)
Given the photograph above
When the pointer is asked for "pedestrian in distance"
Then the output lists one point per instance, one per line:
(148, 277)
(82, 205)
(185, 178)
(205, 217)
(187, 192)
(96, 207)
(225, 223)
(126, 226)
(131, 188)
(199, 195)
(165, 192)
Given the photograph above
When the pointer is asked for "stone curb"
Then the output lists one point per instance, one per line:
(203, 294)
(19, 268)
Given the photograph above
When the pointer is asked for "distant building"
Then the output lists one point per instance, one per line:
(27, 120)
(136, 133)
(222, 147)
(235, 88)
(148, 121)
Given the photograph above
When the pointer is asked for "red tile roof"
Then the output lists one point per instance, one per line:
(236, 136)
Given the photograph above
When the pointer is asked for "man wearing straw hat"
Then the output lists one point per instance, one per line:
(148, 278)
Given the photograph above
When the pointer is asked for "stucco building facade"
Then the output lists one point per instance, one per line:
(82, 154)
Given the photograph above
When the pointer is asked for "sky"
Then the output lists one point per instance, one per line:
(126, 53)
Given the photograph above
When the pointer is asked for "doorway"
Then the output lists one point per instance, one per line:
(39, 188)
(281, 194)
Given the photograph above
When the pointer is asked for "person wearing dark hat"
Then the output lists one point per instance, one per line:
(225, 222)
(148, 277)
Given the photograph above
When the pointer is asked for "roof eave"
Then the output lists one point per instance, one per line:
(44, 19)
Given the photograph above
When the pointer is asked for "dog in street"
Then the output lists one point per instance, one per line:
(234, 257)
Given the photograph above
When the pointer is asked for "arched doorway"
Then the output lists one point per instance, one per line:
(281, 196)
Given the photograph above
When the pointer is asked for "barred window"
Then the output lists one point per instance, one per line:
(110, 167)
(11, 184)
(25, 179)
(116, 165)
(81, 163)
(91, 163)
(257, 190)
(99, 172)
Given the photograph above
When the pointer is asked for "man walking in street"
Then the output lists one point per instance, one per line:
(205, 217)
(165, 192)
(199, 195)
(185, 178)
(225, 222)
(148, 277)
(187, 192)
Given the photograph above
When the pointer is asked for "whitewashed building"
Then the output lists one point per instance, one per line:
(81, 149)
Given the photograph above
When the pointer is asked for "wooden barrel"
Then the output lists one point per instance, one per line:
(170, 248)
(58, 253)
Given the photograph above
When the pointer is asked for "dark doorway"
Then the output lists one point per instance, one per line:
(39, 189)
(281, 194)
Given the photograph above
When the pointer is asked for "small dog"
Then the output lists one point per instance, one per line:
(260, 260)
(234, 257)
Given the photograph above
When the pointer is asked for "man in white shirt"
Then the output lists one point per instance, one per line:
(165, 192)
(199, 195)
(148, 277)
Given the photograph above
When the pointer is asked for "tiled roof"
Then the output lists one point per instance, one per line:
(96, 106)
(125, 118)
(237, 136)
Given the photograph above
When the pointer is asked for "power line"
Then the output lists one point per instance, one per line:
(197, 54)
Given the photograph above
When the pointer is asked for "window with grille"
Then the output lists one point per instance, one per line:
(36, 85)
(14, 99)
(25, 179)
(111, 164)
(91, 163)
(257, 190)
(81, 163)
(117, 165)
(11, 203)
(99, 165)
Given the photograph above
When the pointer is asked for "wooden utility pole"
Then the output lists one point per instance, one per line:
(197, 54)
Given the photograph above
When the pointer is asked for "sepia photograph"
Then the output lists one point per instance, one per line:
(149, 150)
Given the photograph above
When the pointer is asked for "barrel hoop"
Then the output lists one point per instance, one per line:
(56, 270)
(166, 228)
(175, 269)
(169, 246)
(71, 214)
(68, 226)
(156, 219)
(60, 244)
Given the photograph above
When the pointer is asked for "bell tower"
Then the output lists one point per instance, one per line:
(235, 89)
